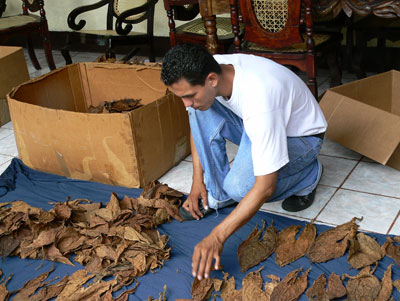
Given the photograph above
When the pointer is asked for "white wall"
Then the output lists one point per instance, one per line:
(57, 12)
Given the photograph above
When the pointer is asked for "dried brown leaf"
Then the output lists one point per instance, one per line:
(363, 251)
(252, 287)
(62, 211)
(270, 286)
(201, 288)
(124, 296)
(332, 243)
(228, 291)
(291, 287)
(31, 286)
(7, 245)
(252, 251)
(363, 286)
(162, 295)
(4, 293)
(50, 291)
(391, 250)
(75, 282)
(289, 249)
(335, 288)
(52, 253)
(386, 285)
(317, 290)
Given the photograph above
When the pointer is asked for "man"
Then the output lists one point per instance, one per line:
(265, 109)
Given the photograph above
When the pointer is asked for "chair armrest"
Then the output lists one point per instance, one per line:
(82, 9)
(123, 17)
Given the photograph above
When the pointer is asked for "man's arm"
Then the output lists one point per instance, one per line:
(198, 190)
(211, 247)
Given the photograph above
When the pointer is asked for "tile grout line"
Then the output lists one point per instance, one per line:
(337, 189)
(394, 221)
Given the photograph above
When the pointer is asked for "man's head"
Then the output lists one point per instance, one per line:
(191, 73)
(190, 62)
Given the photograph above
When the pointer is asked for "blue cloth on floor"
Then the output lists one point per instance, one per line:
(36, 188)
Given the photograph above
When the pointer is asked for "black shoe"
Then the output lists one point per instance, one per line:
(187, 216)
(297, 203)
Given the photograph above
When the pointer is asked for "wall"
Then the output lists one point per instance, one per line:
(57, 12)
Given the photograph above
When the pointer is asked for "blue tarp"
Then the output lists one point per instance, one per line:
(36, 188)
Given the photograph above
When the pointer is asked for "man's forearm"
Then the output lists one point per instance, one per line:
(197, 168)
(263, 188)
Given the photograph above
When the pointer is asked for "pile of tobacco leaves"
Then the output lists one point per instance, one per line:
(117, 240)
(116, 106)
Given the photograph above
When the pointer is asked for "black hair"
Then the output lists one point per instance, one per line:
(190, 62)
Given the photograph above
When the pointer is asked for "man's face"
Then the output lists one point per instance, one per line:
(198, 97)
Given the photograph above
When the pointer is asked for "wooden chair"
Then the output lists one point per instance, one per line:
(283, 32)
(194, 31)
(27, 24)
(126, 13)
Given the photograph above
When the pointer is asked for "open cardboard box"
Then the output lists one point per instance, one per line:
(54, 132)
(13, 71)
(365, 116)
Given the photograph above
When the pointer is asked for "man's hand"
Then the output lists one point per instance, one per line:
(205, 252)
(197, 192)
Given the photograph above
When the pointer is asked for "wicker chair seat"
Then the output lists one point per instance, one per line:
(224, 28)
(17, 21)
(123, 5)
(299, 47)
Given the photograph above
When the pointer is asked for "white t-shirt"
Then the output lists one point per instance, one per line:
(274, 104)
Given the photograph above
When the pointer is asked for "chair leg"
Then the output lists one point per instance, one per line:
(31, 52)
(334, 67)
(65, 51)
(361, 45)
(311, 75)
(47, 48)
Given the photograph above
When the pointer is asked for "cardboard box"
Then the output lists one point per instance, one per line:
(365, 116)
(13, 71)
(54, 132)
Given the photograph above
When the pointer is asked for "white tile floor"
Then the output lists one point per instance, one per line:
(351, 184)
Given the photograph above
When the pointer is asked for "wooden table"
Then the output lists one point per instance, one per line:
(381, 8)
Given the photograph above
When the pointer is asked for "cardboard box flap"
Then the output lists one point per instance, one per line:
(60, 89)
(374, 90)
(396, 93)
(361, 127)
(139, 82)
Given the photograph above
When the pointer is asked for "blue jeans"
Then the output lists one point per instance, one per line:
(227, 185)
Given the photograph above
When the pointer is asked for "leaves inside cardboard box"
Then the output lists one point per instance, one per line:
(116, 106)
(119, 239)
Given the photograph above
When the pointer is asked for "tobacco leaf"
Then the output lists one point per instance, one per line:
(7, 245)
(386, 285)
(364, 286)
(252, 287)
(332, 243)
(62, 211)
(201, 288)
(335, 288)
(317, 290)
(396, 284)
(363, 251)
(31, 286)
(289, 249)
(50, 291)
(270, 286)
(228, 291)
(4, 293)
(124, 296)
(52, 253)
(391, 250)
(252, 251)
(75, 282)
(291, 287)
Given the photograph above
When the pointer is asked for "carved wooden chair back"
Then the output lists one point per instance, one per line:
(194, 31)
(281, 30)
(27, 24)
(121, 16)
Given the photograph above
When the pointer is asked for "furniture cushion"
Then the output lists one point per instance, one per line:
(224, 28)
(18, 21)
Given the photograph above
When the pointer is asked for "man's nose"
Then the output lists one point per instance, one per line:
(187, 102)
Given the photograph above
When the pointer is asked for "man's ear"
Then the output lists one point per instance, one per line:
(212, 79)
